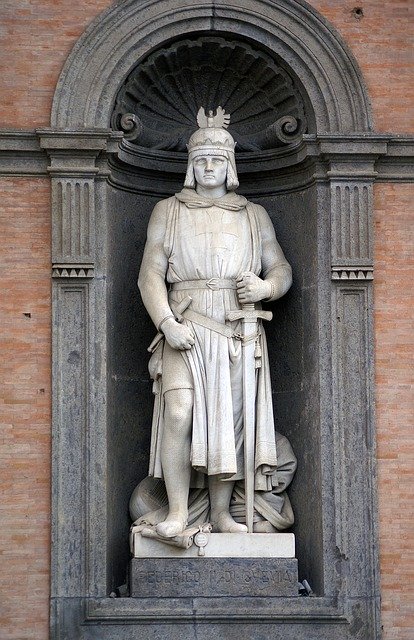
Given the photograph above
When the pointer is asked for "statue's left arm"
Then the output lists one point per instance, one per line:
(275, 268)
(276, 276)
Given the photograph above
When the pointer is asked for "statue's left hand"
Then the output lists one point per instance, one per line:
(251, 288)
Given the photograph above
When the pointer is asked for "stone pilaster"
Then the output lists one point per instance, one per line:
(73, 169)
(351, 177)
(78, 170)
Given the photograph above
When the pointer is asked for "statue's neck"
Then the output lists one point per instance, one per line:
(214, 193)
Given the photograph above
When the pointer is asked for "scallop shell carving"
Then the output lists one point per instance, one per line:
(157, 105)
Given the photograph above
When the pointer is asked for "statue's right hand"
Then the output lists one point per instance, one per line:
(178, 336)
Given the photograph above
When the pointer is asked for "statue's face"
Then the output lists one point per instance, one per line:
(210, 171)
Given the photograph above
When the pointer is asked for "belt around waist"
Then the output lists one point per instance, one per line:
(214, 284)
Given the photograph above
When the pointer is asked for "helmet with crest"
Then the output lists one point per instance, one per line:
(212, 139)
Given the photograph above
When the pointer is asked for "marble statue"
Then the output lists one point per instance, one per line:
(210, 259)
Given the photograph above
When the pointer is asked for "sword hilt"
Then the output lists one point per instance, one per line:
(249, 313)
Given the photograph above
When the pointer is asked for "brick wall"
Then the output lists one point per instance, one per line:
(37, 36)
(394, 341)
(25, 407)
(381, 41)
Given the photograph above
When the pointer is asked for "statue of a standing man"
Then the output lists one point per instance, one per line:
(212, 251)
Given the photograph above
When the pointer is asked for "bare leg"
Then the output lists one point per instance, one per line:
(175, 458)
(220, 494)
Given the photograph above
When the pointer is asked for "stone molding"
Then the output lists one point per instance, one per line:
(352, 273)
(72, 270)
(74, 170)
(344, 157)
(323, 611)
(127, 32)
(21, 154)
(25, 153)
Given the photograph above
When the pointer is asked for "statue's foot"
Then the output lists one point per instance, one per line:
(171, 527)
(224, 523)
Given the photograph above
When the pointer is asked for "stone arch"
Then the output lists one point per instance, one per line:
(326, 179)
(291, 29)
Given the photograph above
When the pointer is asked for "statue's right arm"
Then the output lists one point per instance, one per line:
(151, 282)
(151, 279)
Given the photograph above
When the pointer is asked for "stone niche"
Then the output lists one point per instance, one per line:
(158, 97)
(301, 119)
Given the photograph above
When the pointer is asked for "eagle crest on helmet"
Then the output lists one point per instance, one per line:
(219, 121)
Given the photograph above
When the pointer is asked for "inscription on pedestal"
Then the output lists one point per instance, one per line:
(212, 577)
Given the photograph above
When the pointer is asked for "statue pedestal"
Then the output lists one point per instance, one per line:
(257, 564)
(220, 545)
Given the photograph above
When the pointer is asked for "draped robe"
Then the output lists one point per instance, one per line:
(207, 239)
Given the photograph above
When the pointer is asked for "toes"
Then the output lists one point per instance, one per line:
(226, 524)
(238, 528)
(170, 528)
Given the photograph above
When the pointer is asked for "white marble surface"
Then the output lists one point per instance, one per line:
(221, 545)
(213, 246)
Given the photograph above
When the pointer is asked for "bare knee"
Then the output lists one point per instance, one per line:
(178, 410)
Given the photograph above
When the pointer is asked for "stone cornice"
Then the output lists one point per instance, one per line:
(21, 154)
(43, 151)
(380, 157)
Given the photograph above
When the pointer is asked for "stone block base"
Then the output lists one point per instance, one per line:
(213, 577)
(220, 545)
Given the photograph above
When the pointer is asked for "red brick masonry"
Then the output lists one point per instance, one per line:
(37, 36)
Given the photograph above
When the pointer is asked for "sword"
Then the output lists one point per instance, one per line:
(250, 317)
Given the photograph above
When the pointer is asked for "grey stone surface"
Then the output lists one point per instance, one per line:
(298, 414)
(101, 412)
(213, 577)
(182, 74)
(21, 154)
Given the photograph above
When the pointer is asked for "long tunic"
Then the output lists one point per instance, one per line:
(203, 242)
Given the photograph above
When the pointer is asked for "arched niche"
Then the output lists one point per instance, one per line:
(258, 90)
(318, 191)
(126, 34)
